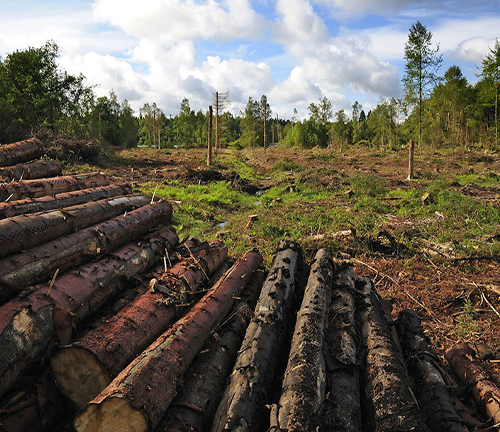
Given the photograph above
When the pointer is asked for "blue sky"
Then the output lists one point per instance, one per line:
(294, 51)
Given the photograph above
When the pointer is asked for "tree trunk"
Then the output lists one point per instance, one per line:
(243, 403)
(51, 186)
(84, 369)
(40, 263)
(433, 395)
(209, 154)
(140, 395)
(33, 205)
(303, 388)
(26, 231)
(342, 405)
(33, 170)
(391, 404)
(194, 407)
(462, 360)
(411, 159)
(19, 152)
(28, 322)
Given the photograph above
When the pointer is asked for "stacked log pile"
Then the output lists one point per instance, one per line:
(109, 323)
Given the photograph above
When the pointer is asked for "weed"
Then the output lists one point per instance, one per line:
(466, 326)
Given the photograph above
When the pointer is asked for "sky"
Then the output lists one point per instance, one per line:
(293, 51)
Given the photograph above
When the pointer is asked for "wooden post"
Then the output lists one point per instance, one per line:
(209, 155)
(411, 158)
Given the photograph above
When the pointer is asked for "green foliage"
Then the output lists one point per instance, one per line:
(367, 185)
(466, 326)
(286, 164)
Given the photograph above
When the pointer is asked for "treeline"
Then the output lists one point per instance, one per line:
(35, 94)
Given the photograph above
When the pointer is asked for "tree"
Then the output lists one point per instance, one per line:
(422, 64)
(321, 112)
(221, 102)
(184, 124)
(249, 123)
(129, 126)
(265, 115)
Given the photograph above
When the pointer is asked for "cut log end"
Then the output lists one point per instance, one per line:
(113, 414)
(79, 375)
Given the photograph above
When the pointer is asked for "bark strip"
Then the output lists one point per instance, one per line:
(242, 407)
(466, 366)
(140, 395)
(32, 170)
(26, 231)
(84, 369)
(303, 388)
(21, 151)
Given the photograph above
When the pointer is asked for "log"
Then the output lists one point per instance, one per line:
(32, 170)
(342, 406)
(26, 231)
(242, 407)
(40, 263)
(428, 377)
(303, 388)
(140, 395)
(33, 205)
(194, 407)
(467, 367)
(84, 369)
(391, 404)
(51, 186)
(21, 151)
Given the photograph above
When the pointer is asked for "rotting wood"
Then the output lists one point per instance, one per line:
(67, 199)
(26, 231)
(84, 369)
(243, 405)
(51, 186)
(431, 390)
(40, 263)
(391, 405)
(195, 405)
(303, 388)
(32, 170)
(29, 322)
(140, 395)
(467, 367)
(21, 151)
(342, 406)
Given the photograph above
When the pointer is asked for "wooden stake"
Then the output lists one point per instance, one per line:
(411, 159)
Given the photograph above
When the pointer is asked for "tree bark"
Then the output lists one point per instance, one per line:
(342, 406)
(26, 231)
(51, 186)
(431, 390)
(303, 388)
(242, 407)
(464, 363)
(84, 369)
(32, 170)
(21, 151)
(140, 395)
(391, 404)
(40, 263)
(34, 205)
(195, 405)
(29, 322)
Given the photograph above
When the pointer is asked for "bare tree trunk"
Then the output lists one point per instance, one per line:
(19, 152)
(209, 155)
(33, 170)
(411, 160)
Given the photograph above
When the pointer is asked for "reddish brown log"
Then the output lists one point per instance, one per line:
(40, 263)
(28, 323)
(84, 369)
(26, 231)
(32, 170)
(34, 205)
(467, 367)
(19, 152)
(140, 395)
(51, 186)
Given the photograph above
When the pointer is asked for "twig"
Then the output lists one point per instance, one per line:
(52, 283)
(166, 253)
(10, 196)
(154, 193)
(426, 309)
(489, 304)
(196, 261)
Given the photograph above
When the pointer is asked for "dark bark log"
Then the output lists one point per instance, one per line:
(243, 404)
(140, 395)
(342, 406)
(303, 388)
(40, 263)
(194, 407)
(28, 323)
(391, 404)
(19, 152)
(84, 369)
(431, 390)
(51, 186)
(32, 170)
(26, 231)
(467, 367)
(33, 205)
